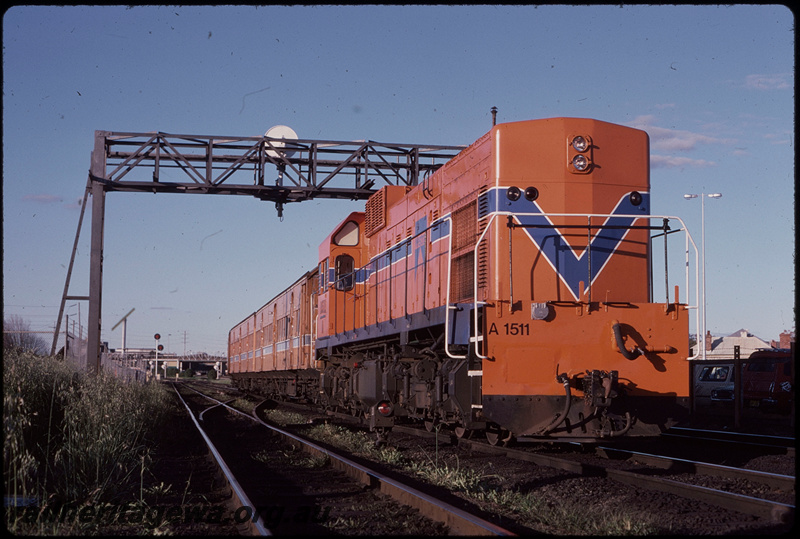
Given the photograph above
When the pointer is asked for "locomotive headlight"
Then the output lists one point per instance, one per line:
(580, 143)
(580, 158)
(513, 193)
(580, 162)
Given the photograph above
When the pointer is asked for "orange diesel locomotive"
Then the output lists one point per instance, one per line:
(510, 293)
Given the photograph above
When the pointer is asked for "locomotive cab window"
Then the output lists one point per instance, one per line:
(344, 277)
(347, 235)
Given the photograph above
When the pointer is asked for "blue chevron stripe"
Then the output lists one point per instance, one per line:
(570, 266)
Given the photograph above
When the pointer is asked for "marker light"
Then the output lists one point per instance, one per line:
(635, 197)
(513, 193)
(531, 193)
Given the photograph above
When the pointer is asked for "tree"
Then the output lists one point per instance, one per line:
(17, 334)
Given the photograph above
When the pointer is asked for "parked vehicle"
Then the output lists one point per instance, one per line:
(767, 382)
(710, 376)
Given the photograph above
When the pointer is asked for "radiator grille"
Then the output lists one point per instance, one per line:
(463, 266)
(465, 230)
(461, 283)
(375, 213)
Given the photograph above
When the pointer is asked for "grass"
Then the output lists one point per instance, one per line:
(71, 438)
(564, 518)
(279, 417)
(534, 509)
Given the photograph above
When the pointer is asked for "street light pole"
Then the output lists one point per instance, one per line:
(703, 255)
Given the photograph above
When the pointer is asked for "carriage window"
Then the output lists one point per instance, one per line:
(344, 272)
(347, 235)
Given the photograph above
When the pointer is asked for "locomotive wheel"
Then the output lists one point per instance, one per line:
(498, 436)
(463, 432)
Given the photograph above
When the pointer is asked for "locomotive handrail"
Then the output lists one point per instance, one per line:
(496, 214)
(475, 279)
(449, 220)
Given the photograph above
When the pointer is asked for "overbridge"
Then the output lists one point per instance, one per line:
(144, 362)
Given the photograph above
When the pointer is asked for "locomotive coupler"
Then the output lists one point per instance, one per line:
(599, 387)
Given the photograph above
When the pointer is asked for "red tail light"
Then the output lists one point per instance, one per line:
(385, 408)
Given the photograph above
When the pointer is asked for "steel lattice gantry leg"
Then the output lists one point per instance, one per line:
(93, 350)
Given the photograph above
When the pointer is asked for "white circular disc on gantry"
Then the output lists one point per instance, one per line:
(280, 132)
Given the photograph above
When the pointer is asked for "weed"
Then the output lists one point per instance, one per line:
(72, 437)
(283, 418)
(563, 517)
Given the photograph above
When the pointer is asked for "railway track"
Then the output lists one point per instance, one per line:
(677, 476)
(782, 445)
(677, 482)
(716, 497)
(752, 493)
(252, 523)
(323, 478)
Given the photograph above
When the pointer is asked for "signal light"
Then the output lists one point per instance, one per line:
(157, 336)
(384, 408)
(160, 347)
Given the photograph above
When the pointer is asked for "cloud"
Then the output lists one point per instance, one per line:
(43, 199)
(673, 140)
(777, 81)
(779, 139)
(671, 161)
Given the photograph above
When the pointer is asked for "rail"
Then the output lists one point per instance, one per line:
(737, 502)
(257, 524)
(460, 522)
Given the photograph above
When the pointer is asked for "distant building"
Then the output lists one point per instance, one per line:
(725, 347)
(785, 340)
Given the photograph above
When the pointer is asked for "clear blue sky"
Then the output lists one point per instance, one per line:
(713, 85)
